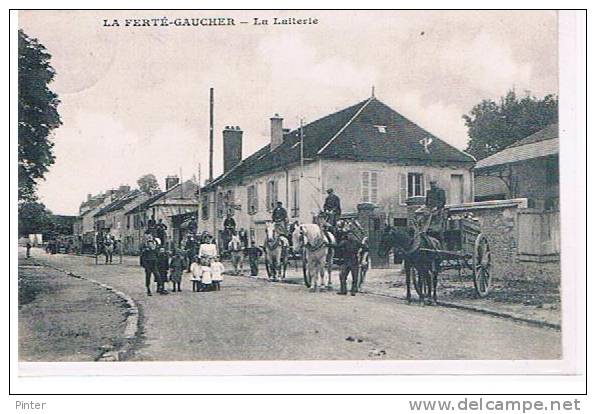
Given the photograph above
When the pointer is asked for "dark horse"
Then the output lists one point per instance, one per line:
(407, 244)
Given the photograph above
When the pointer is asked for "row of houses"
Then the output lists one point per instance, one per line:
(375, 159)
(125, 213)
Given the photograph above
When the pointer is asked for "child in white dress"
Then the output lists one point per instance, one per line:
(206, 275)
(217, 269)
(195, 274)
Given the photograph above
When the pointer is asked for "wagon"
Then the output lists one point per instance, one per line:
(467, 250)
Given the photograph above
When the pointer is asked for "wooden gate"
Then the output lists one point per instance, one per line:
(538, 238)
(372, 222)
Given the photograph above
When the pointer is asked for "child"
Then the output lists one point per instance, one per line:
(176, 268)
(217, 269)
(163, 263)
(195, 274)
(206, 275)
(253, 252)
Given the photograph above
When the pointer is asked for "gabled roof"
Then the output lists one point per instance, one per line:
(541, 144)
(119, 203)
(189, 186)
(366, 131)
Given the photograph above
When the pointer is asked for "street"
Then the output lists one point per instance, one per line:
(252, 319)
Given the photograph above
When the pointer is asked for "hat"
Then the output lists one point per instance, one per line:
(329, 190)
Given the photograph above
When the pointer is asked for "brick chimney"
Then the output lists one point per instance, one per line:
(232, 147)
(277, 131)
(171, 181)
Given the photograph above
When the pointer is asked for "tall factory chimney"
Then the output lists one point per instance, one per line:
(210, 134)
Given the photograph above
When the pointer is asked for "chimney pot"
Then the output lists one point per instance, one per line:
(276, 131)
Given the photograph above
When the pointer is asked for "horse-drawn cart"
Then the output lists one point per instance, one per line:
(464, 247)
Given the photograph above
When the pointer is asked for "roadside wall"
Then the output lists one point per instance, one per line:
(499, 221)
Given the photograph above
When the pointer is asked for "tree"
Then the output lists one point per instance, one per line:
(34, 218)
(148, 184)
(38, 114)
(494, 126)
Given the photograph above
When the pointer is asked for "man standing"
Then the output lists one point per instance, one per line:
(28, 246)
(149, 262)
(332, 207)
(192, 226)
(253, 252)
(348, 250)
(160, 230)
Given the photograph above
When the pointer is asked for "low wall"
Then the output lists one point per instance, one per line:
(499, 220)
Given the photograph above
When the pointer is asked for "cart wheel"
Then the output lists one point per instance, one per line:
(304, 272)
(481, 264)
(419, 285)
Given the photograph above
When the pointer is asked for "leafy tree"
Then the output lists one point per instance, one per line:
(148, 184)
(34, 218)
(494, 126)
(38, 114)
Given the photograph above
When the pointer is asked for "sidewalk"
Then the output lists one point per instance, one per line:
(531, 302)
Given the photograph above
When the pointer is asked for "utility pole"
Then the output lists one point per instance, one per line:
(301, 148)
(210, 134)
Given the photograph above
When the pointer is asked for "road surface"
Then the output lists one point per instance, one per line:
(252, 319)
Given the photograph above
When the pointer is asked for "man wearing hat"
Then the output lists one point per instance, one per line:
(434, 206)
(332, 207)
(279, 216)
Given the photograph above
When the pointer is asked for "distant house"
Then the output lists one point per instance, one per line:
(178, 198)
(368, 153)
(112, 217)
(529, 168)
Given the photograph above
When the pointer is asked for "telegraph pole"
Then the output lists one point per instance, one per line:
(210, 134)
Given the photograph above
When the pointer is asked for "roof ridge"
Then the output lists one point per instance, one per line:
(343, 128)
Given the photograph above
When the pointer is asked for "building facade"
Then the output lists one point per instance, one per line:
(368, 153)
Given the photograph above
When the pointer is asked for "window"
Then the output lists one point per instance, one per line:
(295, 196)
(369, 187)
(271, 194)
(205, 207)
(252, 205)
(415, 185)
(220, 205)
(456, 189)
(381, 128)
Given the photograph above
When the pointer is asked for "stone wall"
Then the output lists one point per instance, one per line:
(499, 222)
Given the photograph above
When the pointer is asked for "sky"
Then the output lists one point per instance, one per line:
(135, 100)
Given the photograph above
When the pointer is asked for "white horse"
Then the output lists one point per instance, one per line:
(276, 246)
(317, 254)
(235, 248)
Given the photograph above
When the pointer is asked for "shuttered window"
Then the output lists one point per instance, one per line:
(252, 199)
(403, 188)
(415, 184)
(295, 194)
(369, 187)
(271, 194)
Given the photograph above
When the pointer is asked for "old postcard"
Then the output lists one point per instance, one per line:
(308, 191)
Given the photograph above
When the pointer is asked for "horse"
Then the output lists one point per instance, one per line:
(235, 249)
(407, 243)
(276, 245)
(108, 247)
(317, 253)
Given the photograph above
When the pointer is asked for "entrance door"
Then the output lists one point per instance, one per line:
(456, 189)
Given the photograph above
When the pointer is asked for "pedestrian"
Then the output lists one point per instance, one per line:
(176, 268)
(163, 265)
(195, 274)
(28, 246)
(206, 279)
(253, 252)
(149, 263)
(348, 250)
(243, 236)
(160, 230)
(217, 269)
(191, 250)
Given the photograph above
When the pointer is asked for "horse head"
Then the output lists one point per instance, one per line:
(398, 238)
(270, 232)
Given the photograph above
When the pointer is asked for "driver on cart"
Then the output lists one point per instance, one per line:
(431, 215)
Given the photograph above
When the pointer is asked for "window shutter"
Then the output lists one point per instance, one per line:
(275, 199)
(268, 196)
(255, 198)
(403, 188)
(425, 183)
(374, 186)
(365, 187)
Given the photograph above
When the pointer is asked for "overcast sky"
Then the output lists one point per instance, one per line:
(135, 100)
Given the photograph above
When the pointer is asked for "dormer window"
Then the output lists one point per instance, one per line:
(381, 128)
